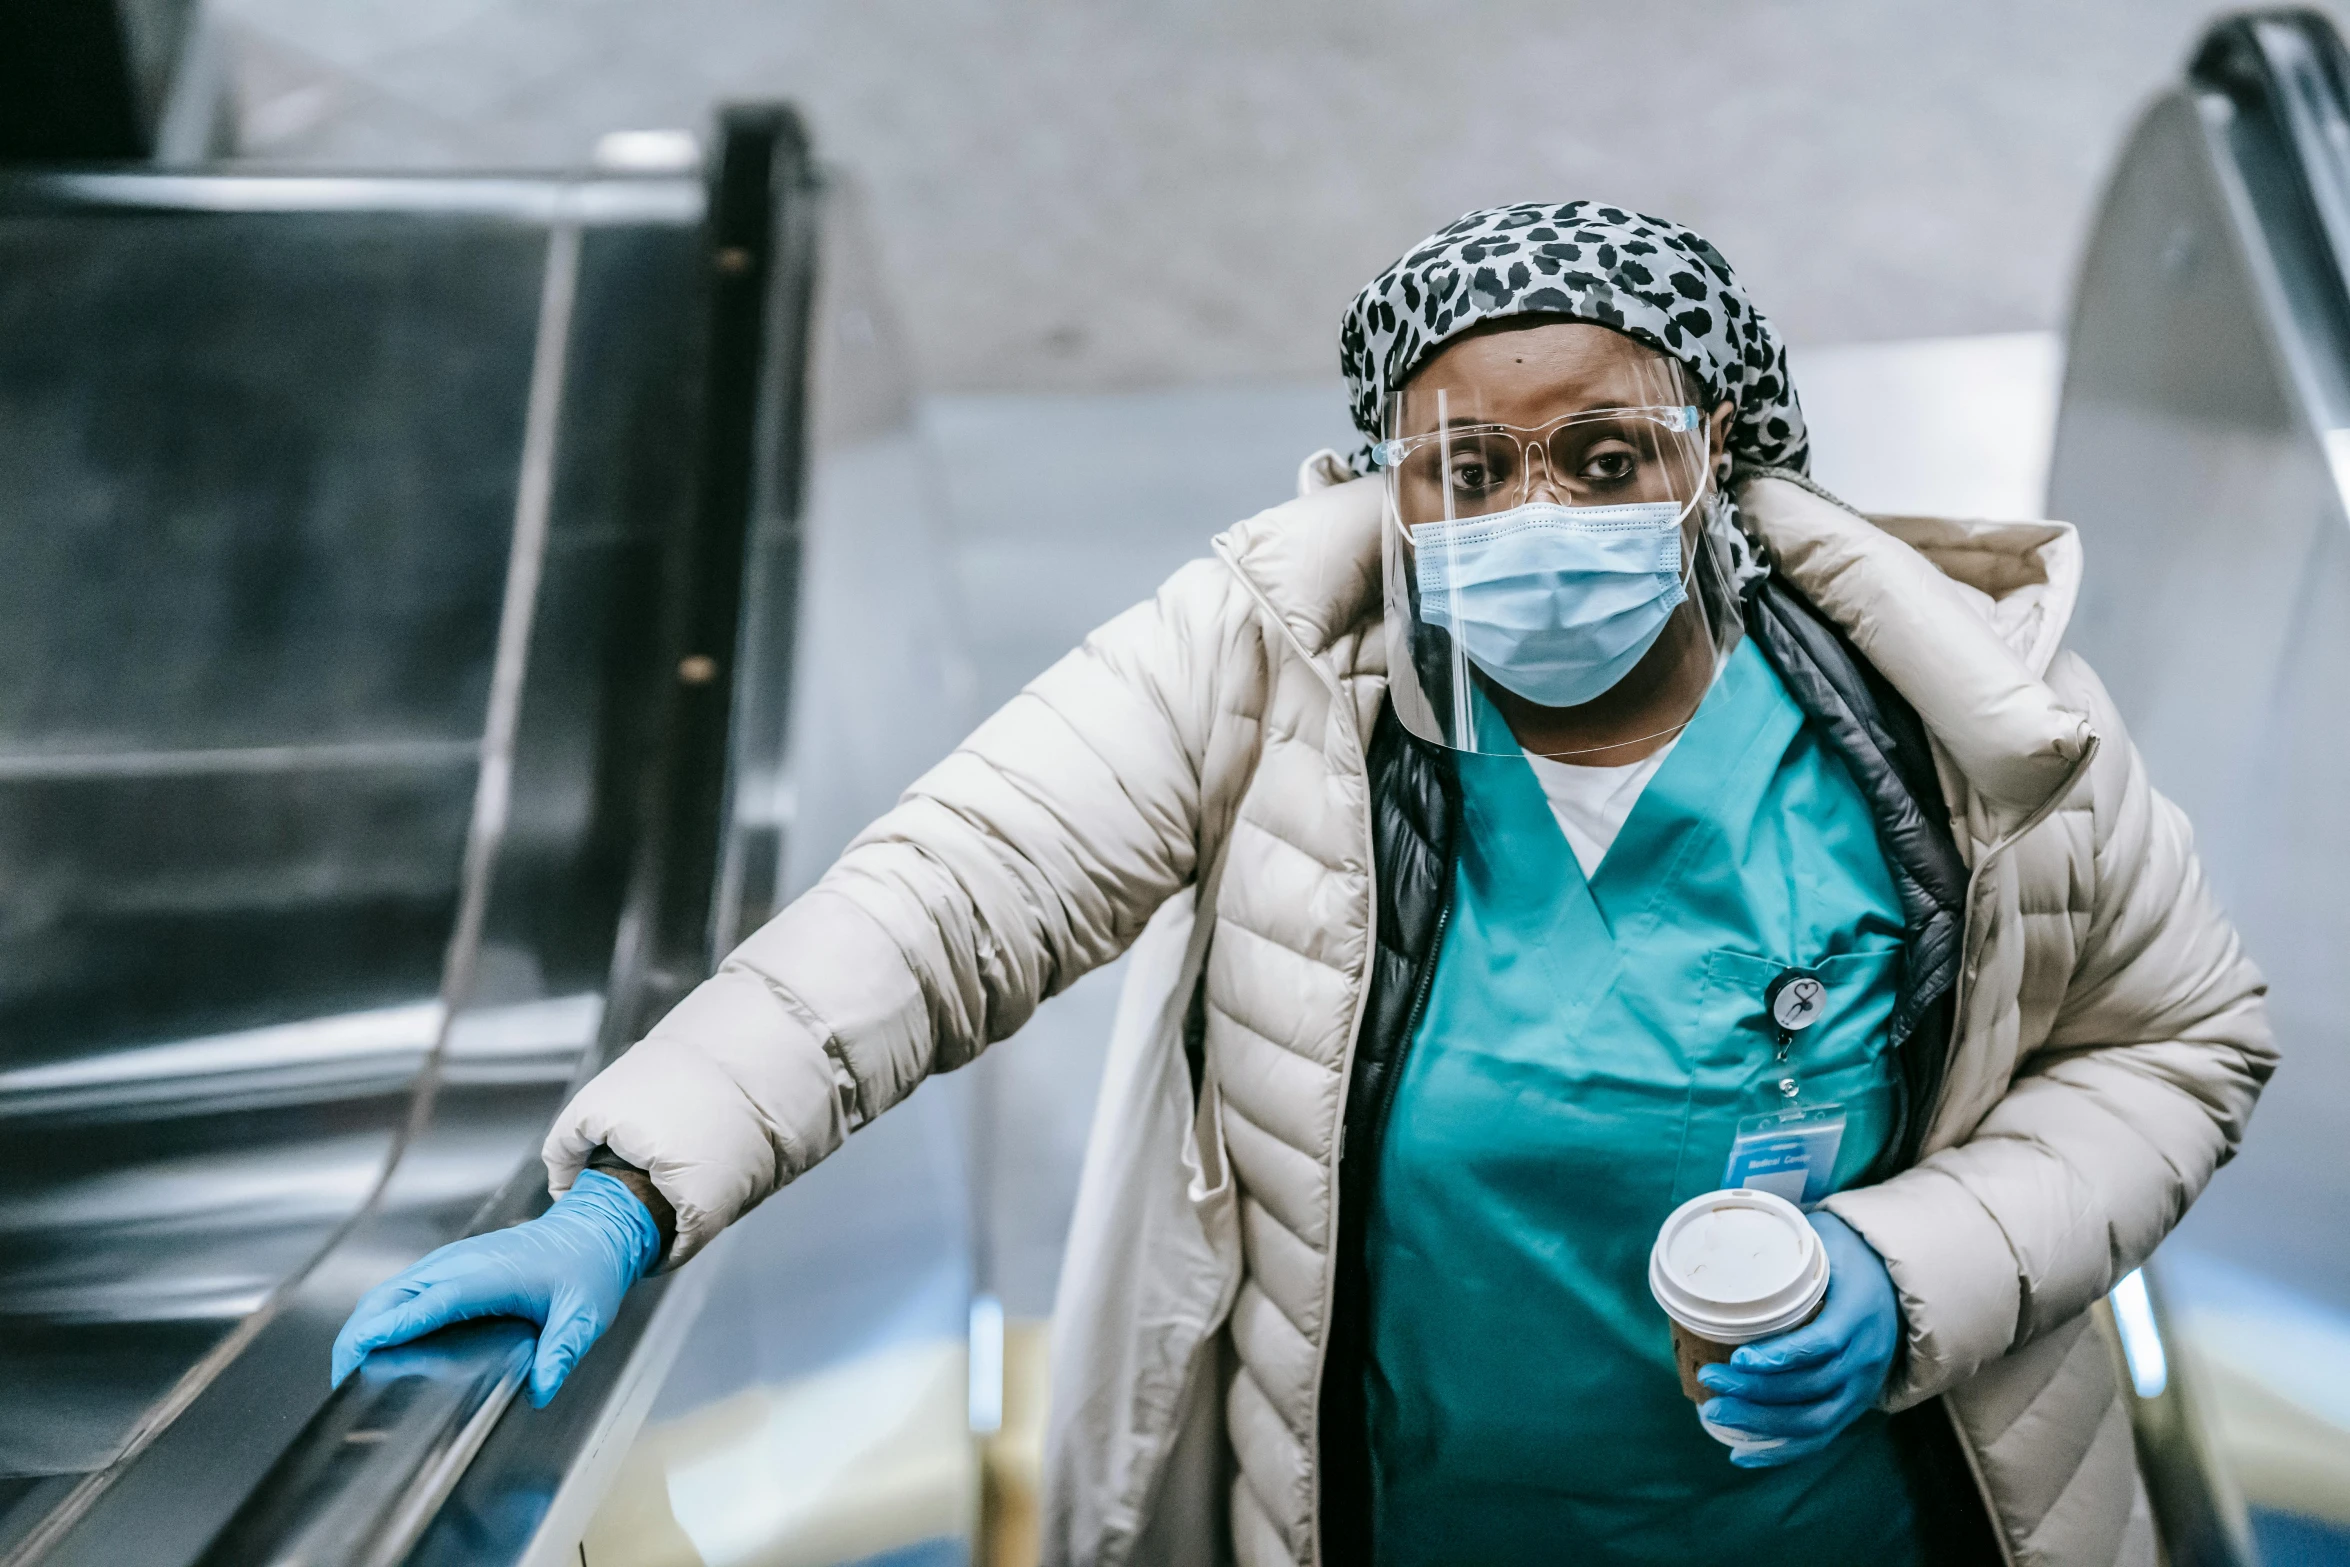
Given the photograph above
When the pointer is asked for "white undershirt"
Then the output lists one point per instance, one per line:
(1592, 802)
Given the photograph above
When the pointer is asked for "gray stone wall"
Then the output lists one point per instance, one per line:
(1077, 195)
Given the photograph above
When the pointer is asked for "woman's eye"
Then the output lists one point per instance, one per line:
(1609, 467)
(1470, 476)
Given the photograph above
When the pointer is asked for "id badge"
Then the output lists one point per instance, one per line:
(1789, 1153)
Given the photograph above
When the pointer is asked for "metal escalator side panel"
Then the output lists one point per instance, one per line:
(616, 773)
(2201, 450)
(821, 1402)
(553, 893)
(433, 1419)
(541, 1472)
(233, 815)
(2183, 455)
(882, 681)
(2194, 454)
(2183, 450)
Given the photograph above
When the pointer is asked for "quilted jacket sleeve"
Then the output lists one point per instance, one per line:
(2112, 1124)
(1032, 854)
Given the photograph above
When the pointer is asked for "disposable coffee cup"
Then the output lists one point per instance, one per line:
(1729, 1268)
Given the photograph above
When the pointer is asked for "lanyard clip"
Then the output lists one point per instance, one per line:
(1796, 999)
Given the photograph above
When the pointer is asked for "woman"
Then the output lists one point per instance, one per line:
(1517, 779)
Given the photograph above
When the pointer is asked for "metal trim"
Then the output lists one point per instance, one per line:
(589, 202)
(32, 766)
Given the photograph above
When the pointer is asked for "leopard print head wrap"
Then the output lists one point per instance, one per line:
(1649, 279)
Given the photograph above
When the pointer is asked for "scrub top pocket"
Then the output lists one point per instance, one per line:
(1846, 1059)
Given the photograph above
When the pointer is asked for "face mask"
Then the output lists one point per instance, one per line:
(1557, 603)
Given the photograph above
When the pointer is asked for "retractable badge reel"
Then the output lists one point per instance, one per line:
(1789, 1151)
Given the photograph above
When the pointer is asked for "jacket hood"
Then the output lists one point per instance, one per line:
(1313, 563)
(1963, 617)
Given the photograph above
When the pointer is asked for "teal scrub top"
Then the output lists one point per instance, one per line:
(1582, 1058)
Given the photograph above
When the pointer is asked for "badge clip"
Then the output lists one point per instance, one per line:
(1790, 1151)
(1796, 999)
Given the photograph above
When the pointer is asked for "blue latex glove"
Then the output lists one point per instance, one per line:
(1806, 1385)
(565, 1270)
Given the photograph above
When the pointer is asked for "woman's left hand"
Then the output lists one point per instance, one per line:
(1804, 1386)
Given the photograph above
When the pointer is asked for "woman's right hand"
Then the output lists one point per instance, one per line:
(565, 1270)
(1801, 1389)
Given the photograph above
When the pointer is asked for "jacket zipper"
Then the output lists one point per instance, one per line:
(1962, 986)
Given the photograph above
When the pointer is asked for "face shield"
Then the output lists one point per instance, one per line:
(1535, 550)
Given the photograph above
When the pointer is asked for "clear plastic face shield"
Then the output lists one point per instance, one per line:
(1541, 540)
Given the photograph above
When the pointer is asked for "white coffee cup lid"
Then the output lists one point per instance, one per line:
(1734, 1266)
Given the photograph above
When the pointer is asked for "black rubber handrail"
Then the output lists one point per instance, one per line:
(2291, 64)
(375, 1464)
(2285, 76)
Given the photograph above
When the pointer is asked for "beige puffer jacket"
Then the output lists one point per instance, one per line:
(2110, 1034)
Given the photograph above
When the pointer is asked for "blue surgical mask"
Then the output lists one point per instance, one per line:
(1556, 603)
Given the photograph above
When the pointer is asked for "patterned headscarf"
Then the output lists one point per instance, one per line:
(1644, 277)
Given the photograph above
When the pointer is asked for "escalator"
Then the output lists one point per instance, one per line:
(444, 612)
(2203, 448)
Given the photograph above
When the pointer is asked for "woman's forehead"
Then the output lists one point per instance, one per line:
(1529, 374)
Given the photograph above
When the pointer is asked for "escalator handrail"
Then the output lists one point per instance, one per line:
(2290, 67)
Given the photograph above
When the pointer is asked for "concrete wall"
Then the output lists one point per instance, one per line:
(1075, 195)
